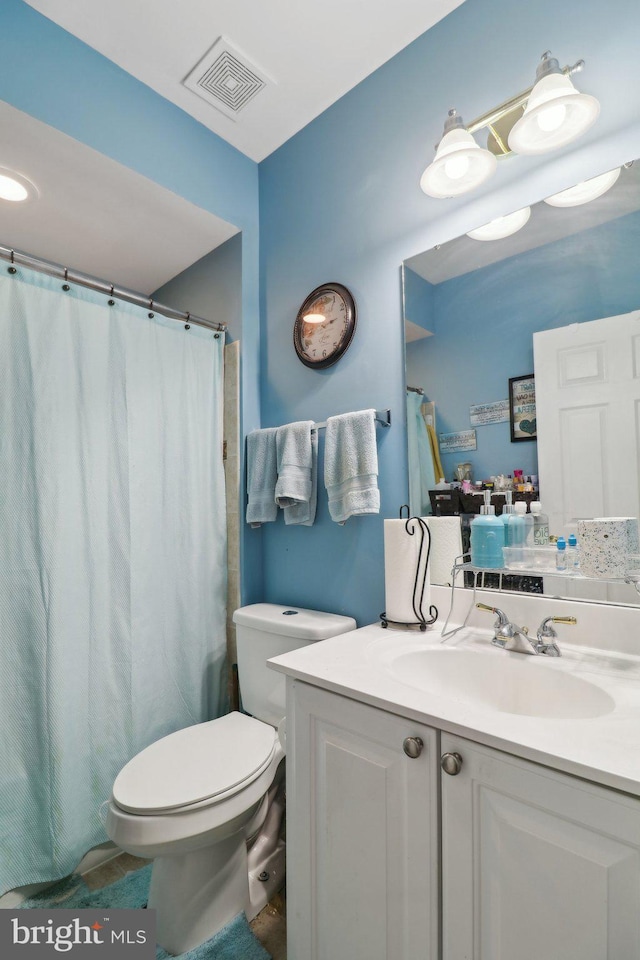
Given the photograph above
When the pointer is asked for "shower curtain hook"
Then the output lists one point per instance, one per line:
(111, 301)
(187, 325)
(150, 308)
(65, 286)
(12, 269)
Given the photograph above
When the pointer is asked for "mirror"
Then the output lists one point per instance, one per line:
(471, 310)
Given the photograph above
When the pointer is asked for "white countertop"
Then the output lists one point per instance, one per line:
(605, 749)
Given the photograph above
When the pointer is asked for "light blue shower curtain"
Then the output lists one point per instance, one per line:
(112, 555)
(421, 472)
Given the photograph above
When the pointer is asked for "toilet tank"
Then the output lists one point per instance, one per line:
(265, 630)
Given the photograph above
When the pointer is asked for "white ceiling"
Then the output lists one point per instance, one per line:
(95, 215)
(313, 51)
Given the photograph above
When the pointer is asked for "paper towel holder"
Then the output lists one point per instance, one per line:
(420, 581)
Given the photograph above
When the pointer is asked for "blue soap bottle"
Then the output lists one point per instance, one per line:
(487, 537)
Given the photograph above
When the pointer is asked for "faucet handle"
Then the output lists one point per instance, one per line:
(545, 628)
(546, 632)
(502, 617)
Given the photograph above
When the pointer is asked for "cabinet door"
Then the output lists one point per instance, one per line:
(361, 832)
(536, 864)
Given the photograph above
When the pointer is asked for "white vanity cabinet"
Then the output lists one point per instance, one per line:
(536, 864)
(362, 831)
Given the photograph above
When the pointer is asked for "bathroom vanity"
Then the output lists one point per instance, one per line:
(459, 801)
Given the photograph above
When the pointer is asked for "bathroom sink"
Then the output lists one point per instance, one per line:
(506, 682)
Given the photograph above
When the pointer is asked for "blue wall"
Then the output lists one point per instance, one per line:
(484, 322)
(49, 74)
(340, 201)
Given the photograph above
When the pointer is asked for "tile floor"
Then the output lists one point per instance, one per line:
(270, 926)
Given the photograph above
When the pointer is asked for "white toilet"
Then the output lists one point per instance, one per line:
(195, 800)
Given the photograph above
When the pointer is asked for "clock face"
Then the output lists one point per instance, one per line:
(321, 342)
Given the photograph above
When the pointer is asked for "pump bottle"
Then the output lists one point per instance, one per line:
(540, 526)
(487, 537)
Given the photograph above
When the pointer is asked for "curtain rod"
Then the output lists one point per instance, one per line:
(101, 286)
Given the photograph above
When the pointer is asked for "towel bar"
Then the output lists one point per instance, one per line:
(383, 417)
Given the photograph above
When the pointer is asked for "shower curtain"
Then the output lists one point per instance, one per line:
(421, 470)
(112, 555)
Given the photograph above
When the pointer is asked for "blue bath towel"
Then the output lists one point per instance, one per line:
(294, 460)
(261, 476)
(351, 465)
(303, 513)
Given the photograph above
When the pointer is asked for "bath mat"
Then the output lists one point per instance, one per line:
(234, 942)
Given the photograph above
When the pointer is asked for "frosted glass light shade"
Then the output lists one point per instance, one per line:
(502, 226)
(556, 113)
(585, 191)
(14, 187)
(458, 166)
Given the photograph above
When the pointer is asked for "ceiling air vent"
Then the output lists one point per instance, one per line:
(226, 79)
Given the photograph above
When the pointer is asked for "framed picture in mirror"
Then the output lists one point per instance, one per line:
(522, 408)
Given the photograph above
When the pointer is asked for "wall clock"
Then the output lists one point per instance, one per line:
(321, 341)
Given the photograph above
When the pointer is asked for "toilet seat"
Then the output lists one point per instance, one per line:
(197, 766)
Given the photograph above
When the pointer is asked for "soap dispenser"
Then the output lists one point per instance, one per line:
(507, 511)
(487, 537)
(518, 527)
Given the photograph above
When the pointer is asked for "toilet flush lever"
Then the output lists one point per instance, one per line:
(412, 746)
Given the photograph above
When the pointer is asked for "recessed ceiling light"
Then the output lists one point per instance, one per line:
(14, 187)
(584, 192)
(502, 226)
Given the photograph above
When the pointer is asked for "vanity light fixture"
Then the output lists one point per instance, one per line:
(14, 187)
(544, 117)
(502, 226)
(584, 192)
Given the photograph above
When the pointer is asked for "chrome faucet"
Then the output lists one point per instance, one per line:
(507, 635)
(546, 636)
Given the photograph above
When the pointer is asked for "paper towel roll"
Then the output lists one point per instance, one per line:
(446, 545)
(401, 556)
(605, 544)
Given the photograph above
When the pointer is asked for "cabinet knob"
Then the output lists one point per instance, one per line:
(412, 746)
(451, 763)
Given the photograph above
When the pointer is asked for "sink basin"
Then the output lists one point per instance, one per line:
(506, 682)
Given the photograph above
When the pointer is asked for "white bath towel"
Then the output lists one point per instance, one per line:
(294, 463)
(351, 465)
(261, 476)
(304, 513)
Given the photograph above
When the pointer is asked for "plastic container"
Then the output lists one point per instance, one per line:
(561, 554)
(487, 537)
(540, 526)
(518, 526)
(534, 559)
(573, 553)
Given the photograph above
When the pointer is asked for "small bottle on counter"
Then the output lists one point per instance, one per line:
(561, 554)
(573, 553)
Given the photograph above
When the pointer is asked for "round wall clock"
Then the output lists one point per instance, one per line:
(325, 325)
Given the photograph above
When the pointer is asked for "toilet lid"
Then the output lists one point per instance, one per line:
(195, 764)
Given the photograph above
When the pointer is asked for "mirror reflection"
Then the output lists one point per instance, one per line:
(487, 323)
